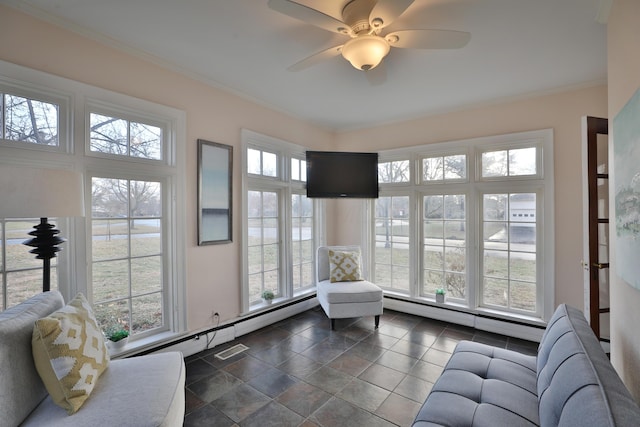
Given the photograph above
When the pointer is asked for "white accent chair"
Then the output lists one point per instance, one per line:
(341, 300)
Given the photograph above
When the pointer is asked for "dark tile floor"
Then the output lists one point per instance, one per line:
(300, 373)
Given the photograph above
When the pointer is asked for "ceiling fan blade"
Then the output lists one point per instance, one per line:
(387, 11)
(428, 39)
(316, 58)
(309, 15)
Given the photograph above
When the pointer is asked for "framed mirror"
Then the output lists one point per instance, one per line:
(215, 168)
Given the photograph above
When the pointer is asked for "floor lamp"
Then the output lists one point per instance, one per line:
(41, 193)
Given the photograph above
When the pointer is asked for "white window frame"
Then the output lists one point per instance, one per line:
(75, 259)
(35, 91)
(438, 190)
(541, 262)
(130, 115)
(473, 187)
(284, 186)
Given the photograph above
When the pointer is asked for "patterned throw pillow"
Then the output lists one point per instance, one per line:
(344, 266)
(69, 353)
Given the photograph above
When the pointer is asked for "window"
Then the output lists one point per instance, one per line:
(280, 230)
(30, 117)
(124, 137)
(509, 251)
(513, 162)
(497, 191)
(445, 245)
(392, 255)
(30, 120)
(263, 243)
(20, 271)
(444, 168)
(393, 172)
(262, 163)
(127, 274)
(36, 120)
(128, 258)
(302, 241)
(130, 263)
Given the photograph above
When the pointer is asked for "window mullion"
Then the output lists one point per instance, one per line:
(286, 263)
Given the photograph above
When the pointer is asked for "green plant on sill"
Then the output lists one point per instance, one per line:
(268, 294)
(116, 335)
(440, 291)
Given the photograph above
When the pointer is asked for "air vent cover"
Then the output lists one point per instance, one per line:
(230, 352)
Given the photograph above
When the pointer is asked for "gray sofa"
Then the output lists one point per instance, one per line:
(139, 391)
(570, 383)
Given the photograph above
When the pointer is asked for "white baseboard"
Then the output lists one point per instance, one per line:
(244, 325)
(497, 326)
(202, 342)
(238, 327)
(431, 312)
(516, 330)
(251, 324)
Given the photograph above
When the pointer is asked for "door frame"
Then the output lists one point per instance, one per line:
(591, 127)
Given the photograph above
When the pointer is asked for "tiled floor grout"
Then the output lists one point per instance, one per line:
(298, 372)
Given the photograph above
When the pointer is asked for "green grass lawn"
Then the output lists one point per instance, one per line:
(129, 289)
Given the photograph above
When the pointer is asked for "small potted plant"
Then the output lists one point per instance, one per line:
(440, 295)
(118, 336)
(268, 296)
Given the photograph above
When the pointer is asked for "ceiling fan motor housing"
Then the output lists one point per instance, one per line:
(356, 15)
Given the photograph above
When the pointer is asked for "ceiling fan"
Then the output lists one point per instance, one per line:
(363, 21)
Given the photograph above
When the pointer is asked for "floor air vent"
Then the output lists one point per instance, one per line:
(230, 352)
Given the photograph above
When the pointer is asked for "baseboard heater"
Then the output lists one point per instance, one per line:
(232, 324)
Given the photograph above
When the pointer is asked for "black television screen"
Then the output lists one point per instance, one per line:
(332, 174)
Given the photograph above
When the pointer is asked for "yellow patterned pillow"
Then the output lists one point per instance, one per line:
(344, 266)
(69, 353)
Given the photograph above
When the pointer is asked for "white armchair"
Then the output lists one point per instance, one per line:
(345, 298)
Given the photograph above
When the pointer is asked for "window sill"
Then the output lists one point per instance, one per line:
(279, 302)
(131, 348)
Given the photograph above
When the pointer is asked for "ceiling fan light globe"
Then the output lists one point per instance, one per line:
(365, 52)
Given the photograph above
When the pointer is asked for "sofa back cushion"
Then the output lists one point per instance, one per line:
(21, 389)
(577, 384)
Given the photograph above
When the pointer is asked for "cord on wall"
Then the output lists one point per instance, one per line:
(216, 316)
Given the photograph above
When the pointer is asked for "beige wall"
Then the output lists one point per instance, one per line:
(213, 272)
(560, 111)
(624, 79)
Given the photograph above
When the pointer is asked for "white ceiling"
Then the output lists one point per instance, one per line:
(517, 47)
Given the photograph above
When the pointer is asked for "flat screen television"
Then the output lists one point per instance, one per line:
(334, 174)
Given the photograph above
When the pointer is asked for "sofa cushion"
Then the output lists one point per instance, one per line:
(349, 292)
(69, 352)
(577, 384)
(344, 266)
(142, 391)
(483, 385)
(21, 388)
